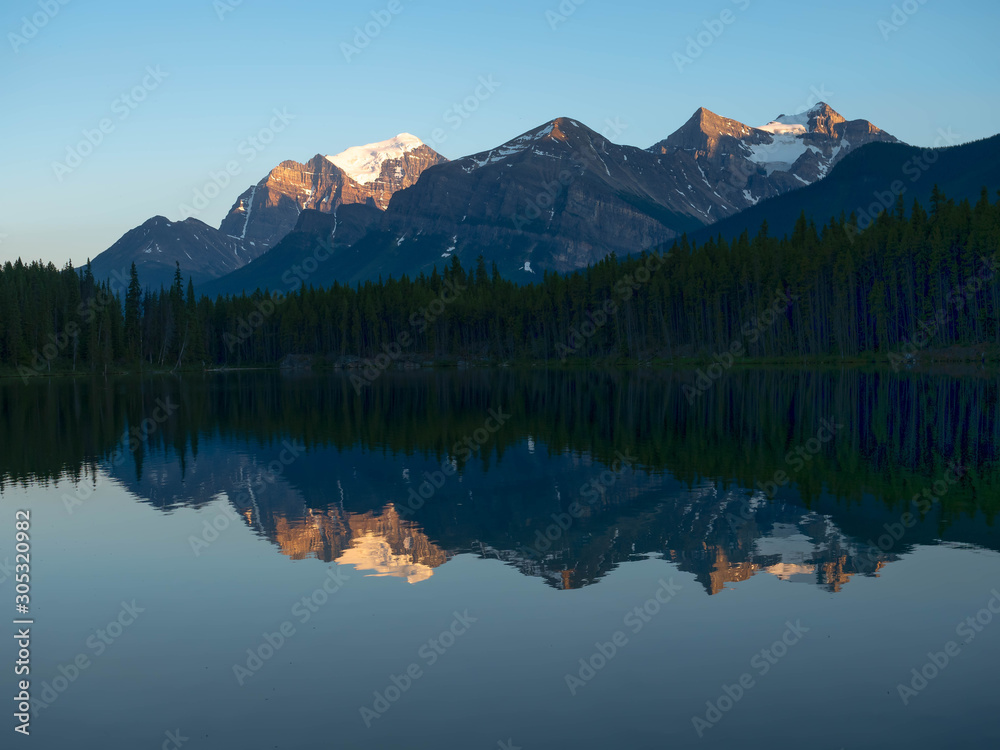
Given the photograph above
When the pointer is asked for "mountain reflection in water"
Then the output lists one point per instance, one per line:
(547, 493)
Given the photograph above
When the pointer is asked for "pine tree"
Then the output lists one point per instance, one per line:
(133, 313)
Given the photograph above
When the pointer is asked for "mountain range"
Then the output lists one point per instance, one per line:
(558, 197)
(266, 212)
(868, 181)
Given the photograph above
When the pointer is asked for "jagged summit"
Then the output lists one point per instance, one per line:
(561, 128)
(707, 122)
(821, 118)
(704, 132)
(562, 131)
(803, 146)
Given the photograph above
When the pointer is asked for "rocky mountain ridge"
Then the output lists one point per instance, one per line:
(266, 212)
(561, 196)
(557, 197)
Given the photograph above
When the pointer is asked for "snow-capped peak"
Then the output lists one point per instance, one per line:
(792, 124)
(777, 127)
(363, 164)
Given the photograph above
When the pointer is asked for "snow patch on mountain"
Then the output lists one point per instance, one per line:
(792, 124)
(517, 146)
(246, 209)
(775, 127)
(779, 155)
(363, 164)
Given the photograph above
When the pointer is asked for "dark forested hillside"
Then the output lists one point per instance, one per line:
(868, 181)
(913, 280)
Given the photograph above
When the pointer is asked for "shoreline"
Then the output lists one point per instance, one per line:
(933, 362)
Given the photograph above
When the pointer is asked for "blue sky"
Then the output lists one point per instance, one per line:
(598, 61)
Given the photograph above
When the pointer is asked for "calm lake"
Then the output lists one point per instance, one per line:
(508, 559)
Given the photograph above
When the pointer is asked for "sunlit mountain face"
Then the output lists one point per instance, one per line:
(564, 477)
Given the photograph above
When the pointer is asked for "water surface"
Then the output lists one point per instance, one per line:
(425, 565)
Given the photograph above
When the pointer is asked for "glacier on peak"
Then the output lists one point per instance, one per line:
(363, 164)
(797, 124)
